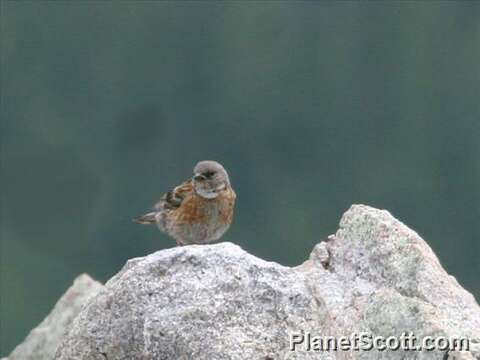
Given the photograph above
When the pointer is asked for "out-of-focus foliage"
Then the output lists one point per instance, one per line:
(311, 106)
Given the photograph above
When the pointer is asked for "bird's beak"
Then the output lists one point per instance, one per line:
(199, 177)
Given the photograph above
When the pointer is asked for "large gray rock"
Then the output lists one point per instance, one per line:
(42, 342)
(374, 276)
(196, 302)
(383, 279)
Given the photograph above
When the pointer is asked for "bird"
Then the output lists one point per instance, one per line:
(198, 211)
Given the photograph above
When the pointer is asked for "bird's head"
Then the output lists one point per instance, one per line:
(209, 179)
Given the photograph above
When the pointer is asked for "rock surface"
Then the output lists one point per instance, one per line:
(374, 276)
(196, 302)
(42, 342)
(383, 279)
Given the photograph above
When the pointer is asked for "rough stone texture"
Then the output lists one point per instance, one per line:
(374, 275)
(196, 302)
(43, 341)
(383, 279)
(215, 302)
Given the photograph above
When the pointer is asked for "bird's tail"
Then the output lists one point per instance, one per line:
(146, 219)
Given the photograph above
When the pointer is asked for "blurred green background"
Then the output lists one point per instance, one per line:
(311, 106)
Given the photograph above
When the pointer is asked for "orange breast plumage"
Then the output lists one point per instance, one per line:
(198, 220)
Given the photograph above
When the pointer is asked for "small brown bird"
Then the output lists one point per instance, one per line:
(200, 210)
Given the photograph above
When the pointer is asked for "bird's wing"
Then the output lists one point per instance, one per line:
(173, 198)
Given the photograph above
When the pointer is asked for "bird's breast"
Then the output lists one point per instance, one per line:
(200, 220)
(196, 209)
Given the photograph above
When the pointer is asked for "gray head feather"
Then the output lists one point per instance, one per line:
(210, 177)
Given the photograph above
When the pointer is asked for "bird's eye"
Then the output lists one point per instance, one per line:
(209, 174)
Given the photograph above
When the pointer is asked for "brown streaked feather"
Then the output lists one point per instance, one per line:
(174, 198)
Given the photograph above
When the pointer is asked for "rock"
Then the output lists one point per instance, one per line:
(383, 279)
(196, 302)
(43, 341)
(374, 277)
